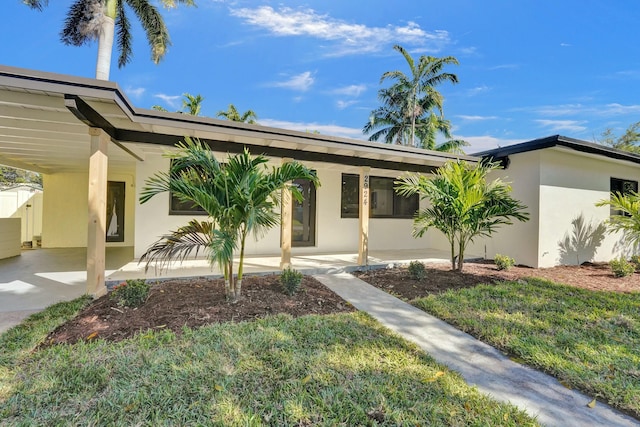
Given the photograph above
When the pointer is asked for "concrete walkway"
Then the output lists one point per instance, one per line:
(480, 364)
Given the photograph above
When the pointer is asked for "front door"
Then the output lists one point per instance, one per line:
(303, 224)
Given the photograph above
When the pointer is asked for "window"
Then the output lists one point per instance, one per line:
(385, 202)
(622, 186)
(178, 207)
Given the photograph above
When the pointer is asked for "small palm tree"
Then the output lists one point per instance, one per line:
(239, 196)
(462, 204)
(234, 115)
(628, 219)
(89, 20)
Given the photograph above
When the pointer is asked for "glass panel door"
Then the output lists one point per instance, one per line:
(303, 232)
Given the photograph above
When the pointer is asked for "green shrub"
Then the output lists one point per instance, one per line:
(417, 271)
(132, 293)
(504, 262)
(290, 280)
(635, 260)
(621, 267)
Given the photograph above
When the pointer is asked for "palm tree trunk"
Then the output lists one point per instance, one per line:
(232, 283)
(241, 264)
(461, 254)
(105, 47)
(452, 241)
(227, 282)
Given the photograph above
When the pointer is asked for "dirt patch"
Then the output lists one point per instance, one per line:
(439, 278)
(174, 304)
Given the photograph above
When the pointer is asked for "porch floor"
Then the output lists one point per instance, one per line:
(41, 277)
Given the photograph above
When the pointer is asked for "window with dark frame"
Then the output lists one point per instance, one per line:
(622, 186)
(179, 207)
(385, 202)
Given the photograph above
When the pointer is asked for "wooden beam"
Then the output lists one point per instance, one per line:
(286, 219)
(22, 165)
(363, 223)
(98, 162)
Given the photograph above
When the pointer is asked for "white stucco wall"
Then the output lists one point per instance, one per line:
(9, 237)
(571, 184)
(65, 209)
(333, 233)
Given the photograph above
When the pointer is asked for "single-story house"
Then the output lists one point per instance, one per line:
(96, 150)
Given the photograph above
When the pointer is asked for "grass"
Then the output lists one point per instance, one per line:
(588, 340)
(323, 370)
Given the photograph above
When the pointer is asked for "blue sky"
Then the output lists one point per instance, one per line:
(527, 69)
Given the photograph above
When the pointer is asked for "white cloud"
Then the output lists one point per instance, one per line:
(349, 38)
(561, 110)
(344, 104)
(351, 90)
(476, 118)
(486, 142)
(325, 129)
(477, 90)
(619, 109)
(300, 82)
(565, 44)
(171, 100)
(563, 125)
(504, 67)
(134, 92)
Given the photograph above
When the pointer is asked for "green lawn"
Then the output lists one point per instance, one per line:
(589, 340)
(316, 370)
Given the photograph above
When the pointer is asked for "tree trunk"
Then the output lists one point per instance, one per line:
(453, 253)
(461, 255)
(105, 47)
(241, 265)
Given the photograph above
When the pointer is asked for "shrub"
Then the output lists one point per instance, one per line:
(504, 262)
(132, 293)
(417, 271)
(635, 260)
(290, 280)
(621, 267)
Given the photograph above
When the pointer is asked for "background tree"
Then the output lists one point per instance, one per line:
(89, 20)
(628, 220)
(463, 205)
(191, 104)
(232, 114)
(239, 197)
(9, 175)
(629, 141)
(412, 107)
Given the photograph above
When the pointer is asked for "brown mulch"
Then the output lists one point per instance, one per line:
(174, 304)
(440, 278)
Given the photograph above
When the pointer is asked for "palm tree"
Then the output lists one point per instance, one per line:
(462, 204)
(627, 217)
(393, 120)
(89, 20)
(192, 104)
(232, 114)
(239, 196)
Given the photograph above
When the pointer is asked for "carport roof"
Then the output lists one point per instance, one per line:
(44, 120)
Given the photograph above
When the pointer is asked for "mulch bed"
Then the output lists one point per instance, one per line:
(174, 304)
(439, 278)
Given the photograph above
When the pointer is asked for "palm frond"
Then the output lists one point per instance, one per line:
(123, 36)
(154, 27)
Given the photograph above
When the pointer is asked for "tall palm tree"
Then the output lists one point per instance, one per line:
(395, 121)
(234, 115)
(89, 20)
(409, 99)
(239, 196)
(192, 104)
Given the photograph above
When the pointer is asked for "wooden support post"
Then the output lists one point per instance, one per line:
(363, 246)
(286, 225)
(96, 237)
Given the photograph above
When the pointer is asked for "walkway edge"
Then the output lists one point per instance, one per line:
(480, 364)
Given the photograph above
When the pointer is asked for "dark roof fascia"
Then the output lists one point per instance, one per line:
(80, 87)
(502, 153)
